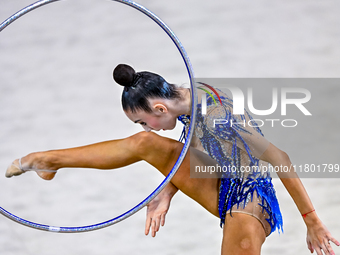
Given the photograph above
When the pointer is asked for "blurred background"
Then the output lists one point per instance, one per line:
(57, 91)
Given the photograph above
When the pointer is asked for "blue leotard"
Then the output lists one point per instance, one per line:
(240, 145)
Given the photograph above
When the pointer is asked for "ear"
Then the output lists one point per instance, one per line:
(160, 108)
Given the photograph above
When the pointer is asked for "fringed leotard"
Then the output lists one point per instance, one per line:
(236, 141)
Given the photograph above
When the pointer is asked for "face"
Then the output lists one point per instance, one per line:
(159, 119)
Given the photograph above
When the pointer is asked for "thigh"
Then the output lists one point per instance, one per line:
(242, 234)
(253, 206)
(205, 191)
(162, 153)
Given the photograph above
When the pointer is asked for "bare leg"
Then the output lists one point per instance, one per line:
(160, 152)
(242, 233)
(104, 155)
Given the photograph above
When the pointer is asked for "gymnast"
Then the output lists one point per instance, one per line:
(245, 202)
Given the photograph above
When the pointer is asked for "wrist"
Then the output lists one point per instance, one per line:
(305, 214)
(170, 190)
(310, 218)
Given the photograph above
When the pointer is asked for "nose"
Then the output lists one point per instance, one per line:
(147, 129)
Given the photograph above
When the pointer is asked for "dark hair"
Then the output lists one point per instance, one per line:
(141, 86)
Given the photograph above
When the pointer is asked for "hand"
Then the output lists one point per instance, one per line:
(157, 210)
(318, 238)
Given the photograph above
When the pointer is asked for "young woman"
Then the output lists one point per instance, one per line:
(245, 201)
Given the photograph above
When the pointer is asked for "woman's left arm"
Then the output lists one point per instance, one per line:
(158, 208)
(318, 236)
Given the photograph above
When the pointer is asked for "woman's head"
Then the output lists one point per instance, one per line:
(146, 96)
(142, 86)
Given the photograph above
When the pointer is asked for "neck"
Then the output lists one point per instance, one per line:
(184, 104)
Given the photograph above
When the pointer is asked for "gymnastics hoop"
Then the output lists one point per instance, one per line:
(179, 161)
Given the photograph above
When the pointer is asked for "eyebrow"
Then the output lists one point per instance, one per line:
(136, 121)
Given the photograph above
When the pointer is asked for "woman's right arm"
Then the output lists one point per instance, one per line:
(318, 237)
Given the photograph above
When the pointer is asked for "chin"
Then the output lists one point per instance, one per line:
(173, 127)
(169, 127)
(166, 129)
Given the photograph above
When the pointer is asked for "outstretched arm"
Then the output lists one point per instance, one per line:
(318, 236)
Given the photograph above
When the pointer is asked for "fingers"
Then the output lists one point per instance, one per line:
(318, 251)
(328, 249)
(326, 246)
(154, 224)
(147, 225)
(336, 242)
(163, 219)
(154, 227)
(323, 248)
(310, 247)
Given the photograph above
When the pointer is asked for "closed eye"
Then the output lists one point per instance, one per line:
(141, 122)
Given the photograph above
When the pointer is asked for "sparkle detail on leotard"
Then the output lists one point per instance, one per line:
(185, 119)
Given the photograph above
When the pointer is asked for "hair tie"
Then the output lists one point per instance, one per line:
(136, 78)
(134, 82)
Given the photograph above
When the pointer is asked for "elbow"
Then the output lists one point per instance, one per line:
(283, 157)
(275, 156)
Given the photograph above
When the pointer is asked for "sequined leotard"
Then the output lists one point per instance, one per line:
(248, 189)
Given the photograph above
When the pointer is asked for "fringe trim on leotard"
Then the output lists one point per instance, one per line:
(236, 191)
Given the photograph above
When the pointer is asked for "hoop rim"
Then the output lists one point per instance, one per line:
(180, 159)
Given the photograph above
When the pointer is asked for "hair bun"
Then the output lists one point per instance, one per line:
(124, 75)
